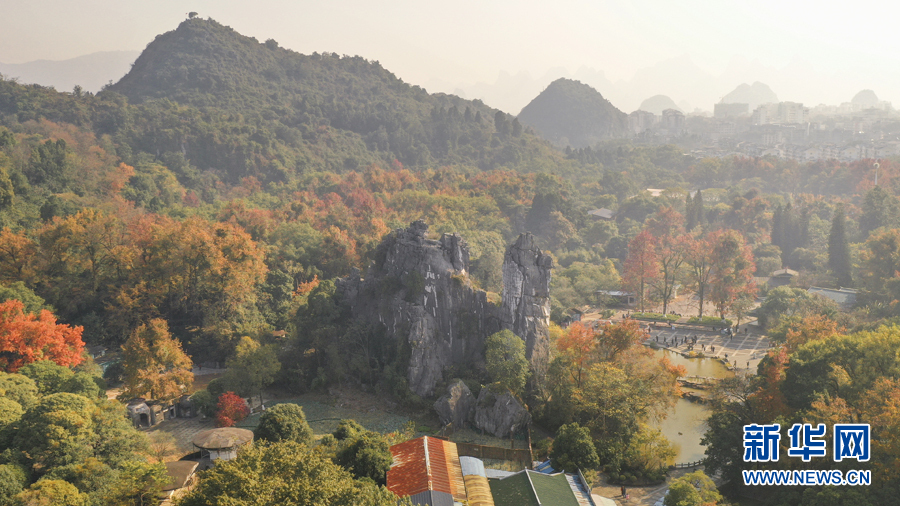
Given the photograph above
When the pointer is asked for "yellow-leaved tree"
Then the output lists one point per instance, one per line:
(155, 365)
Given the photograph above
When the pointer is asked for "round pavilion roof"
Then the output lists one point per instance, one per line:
(222, 438)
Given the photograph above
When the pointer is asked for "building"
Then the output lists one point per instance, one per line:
(782, 112)
(222, 443)
(478, 490)
(640, 121)
(144, 413)
(844, 297)
(430, 471)
(603, 214)
(181, 479)
(781, 277)
(721, 110)
(427, 470)
(533, 488)
(673, 122)
(617, 297)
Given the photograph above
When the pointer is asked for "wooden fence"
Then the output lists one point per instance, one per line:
(687, 465)
(522, 456)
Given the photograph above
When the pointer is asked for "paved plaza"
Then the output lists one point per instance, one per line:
(743, 351)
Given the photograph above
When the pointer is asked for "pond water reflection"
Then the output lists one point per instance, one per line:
(686, 422)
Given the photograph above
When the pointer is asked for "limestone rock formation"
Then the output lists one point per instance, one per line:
(526, 298)
(457, 406)
(498, 411)
(418, 290)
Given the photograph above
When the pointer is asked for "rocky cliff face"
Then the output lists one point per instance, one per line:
(419, 291)
(526, 298)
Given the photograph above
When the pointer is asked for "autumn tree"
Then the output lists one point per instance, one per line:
(230, 410)
(699, 263)
(579, 346)
(671, 251)
(155, 364)
(732, 269)
(26, 338)
(17, 253)
(641, 266)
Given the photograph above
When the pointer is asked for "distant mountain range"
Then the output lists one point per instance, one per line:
(571, 113)
(91, 71)
(753, 95)
(659, 103)
(678, 78)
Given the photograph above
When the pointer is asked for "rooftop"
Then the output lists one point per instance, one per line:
(222, 438)
(426, 464)
(179, 473)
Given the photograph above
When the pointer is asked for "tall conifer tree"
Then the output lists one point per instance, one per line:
(839, 249)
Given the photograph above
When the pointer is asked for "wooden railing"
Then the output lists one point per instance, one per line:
(687, 465)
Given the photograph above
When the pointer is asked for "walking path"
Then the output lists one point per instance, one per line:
(638, 496)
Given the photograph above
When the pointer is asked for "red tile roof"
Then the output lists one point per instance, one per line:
(424, 464)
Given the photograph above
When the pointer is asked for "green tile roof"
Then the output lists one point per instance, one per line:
(520, 488)
(513, 490)
(553, 489)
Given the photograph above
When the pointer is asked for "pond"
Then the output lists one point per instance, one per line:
(686, 421)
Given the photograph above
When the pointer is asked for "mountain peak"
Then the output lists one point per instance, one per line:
(571, 113)
(754, 95)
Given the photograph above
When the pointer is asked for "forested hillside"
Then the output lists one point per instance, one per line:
(223, 185)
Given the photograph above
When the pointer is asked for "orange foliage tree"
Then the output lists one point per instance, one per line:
(154, 364)
(27, 338)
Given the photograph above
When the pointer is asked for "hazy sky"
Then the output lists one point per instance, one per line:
(842, 45)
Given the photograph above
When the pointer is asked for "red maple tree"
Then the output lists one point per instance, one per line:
(27, 338)
(231, 410)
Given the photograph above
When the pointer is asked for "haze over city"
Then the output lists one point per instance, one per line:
(505, 52)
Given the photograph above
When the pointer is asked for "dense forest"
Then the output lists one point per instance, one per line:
(223, 184)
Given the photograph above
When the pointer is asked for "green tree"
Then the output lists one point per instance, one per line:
(366, 455)
(284, 473)
(839, 249)
(786, 301)
(83, 384)
(347, 429)
(59, 430)
(18, 291)
(252, 368)
(19, 388)
(48, 376)
(12, 480)
(505, 359)
(137, 484)
(155, 364)
(692, 489)
(574, 449)
(284, 422)
(10, 412)
(879, 209)
(50, 493)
